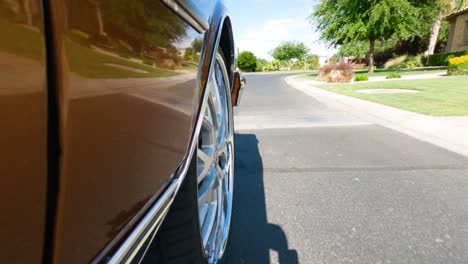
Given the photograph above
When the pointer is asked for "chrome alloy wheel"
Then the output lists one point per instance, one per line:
(215, 165)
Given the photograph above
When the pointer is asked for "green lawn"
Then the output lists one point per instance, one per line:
(387, 72)
(21, 40)
(446, 96)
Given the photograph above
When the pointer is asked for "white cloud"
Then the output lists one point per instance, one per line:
(264, 38)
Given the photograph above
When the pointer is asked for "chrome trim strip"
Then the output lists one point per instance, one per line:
(188, 16)
(195, 9)
(145, 228)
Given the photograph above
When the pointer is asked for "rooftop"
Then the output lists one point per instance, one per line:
(457, 13)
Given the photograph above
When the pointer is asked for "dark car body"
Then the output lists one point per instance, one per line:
(99, 104)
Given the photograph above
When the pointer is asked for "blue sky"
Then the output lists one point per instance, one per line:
(260, 25)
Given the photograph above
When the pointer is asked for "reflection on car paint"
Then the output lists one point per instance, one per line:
(23, 126)
(127, 109)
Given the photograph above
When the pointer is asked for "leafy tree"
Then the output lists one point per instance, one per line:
(247, 61)
(197, 44)
(441, 9)
(192, 53)
(261, 63)
(289, 50)
(145, 24)
(350, 21)
(312, 61)
(357, 49)
(274, 65)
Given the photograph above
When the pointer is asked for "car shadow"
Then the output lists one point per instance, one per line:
(252, 238)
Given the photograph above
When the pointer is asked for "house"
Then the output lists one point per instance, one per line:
(323, 60)
(458, 35)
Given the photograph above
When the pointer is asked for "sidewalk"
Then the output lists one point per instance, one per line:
(447, 132)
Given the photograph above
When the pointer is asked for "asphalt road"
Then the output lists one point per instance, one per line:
(316, 185)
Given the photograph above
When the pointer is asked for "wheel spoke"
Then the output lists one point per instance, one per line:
(205, 156)
(214, 166)
(207, 187)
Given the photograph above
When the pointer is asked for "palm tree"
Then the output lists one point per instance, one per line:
(445, 7)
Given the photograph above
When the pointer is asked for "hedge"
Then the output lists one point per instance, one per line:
(441, 59)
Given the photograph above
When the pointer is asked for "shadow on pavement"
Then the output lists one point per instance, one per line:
(252, 238)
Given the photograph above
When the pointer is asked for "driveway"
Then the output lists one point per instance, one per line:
(317, 185)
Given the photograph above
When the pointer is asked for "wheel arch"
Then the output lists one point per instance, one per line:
(226, 43)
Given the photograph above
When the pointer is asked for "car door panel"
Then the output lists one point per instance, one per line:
(23, 126)
(127, 97)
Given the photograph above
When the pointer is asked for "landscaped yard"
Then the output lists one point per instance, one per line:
(378, 73)
(84, 61)
(21, 40)
(446, 96)
(92, 64)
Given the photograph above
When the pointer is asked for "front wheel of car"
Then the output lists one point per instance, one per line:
(197, 226)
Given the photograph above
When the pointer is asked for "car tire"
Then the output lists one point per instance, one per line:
(181, 238)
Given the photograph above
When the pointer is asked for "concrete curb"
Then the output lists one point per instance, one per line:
(449, 134)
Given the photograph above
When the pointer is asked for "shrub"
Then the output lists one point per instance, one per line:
(380, 58)
(442, 59)
(125, 55)
(336, 73)
(79, 33)
(79, 37)
(395, 63)
(412, 62)
(260, 65)
(273, 66)
(361, 77)
(458, 66)
(148, 60)
(247, 61)
(459, 60)
(404, 62)
(394, 75)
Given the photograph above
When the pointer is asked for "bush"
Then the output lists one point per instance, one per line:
(394, 75)
(79, 37)
(412, 62)
(247, 61)
(458, 66)
(404, 62)
(380, 58)
(395, 63)
(148, 60)
(273, 66)
(336, 73)
(442, 59)
(361, 78)
(260, 65)
(125, 55)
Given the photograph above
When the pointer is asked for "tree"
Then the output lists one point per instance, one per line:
(261, 63)
(289, 50)
(312, 61)
(442, 9)
(197, 44)
(346, 21)
(143, 24)
(357, 49)
(247, 61)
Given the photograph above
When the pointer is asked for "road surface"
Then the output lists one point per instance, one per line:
(317, 185)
